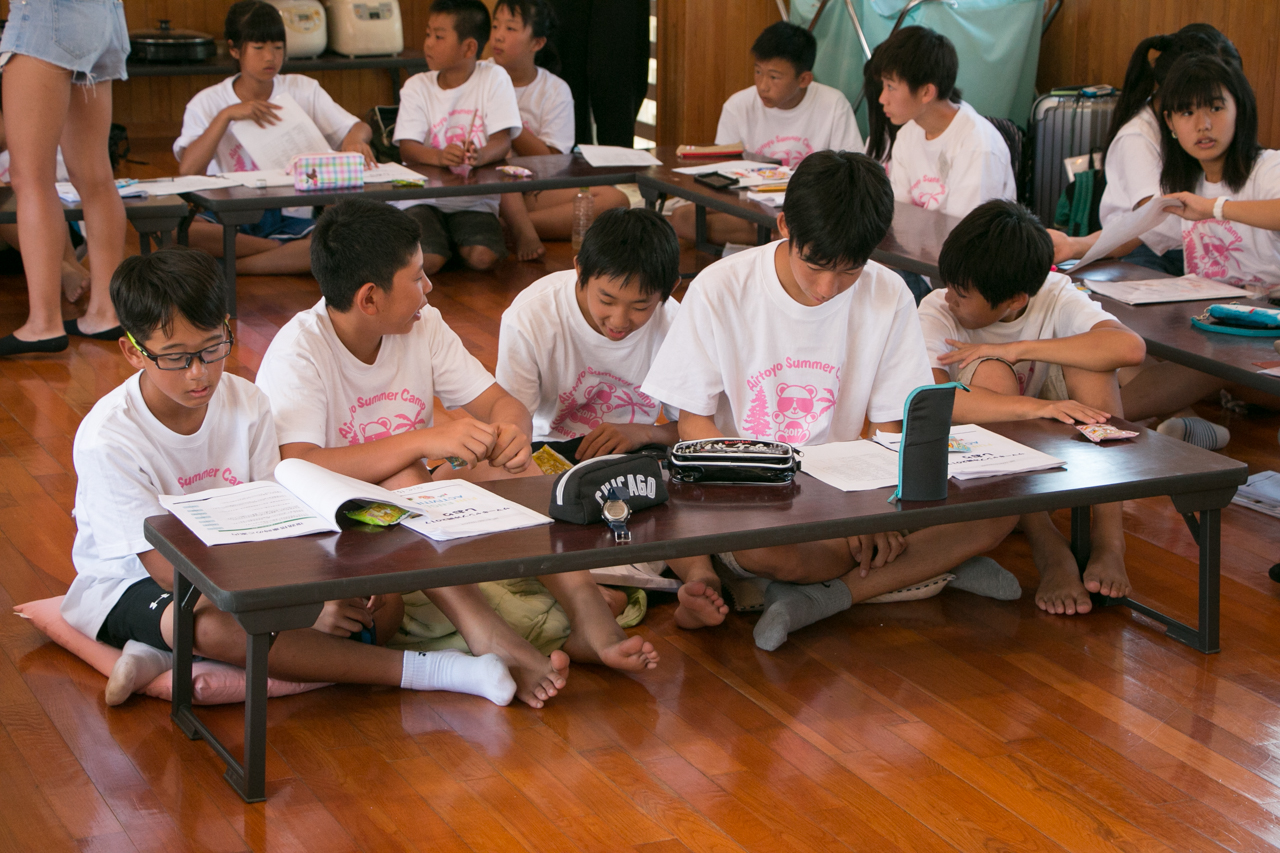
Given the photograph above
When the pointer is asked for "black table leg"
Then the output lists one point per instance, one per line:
(144, 242)
(1081, 537)
(185, 597)
(250, 777)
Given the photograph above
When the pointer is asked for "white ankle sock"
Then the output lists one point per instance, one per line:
(137, 667)
(485, 676)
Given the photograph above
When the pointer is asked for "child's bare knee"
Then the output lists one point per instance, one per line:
(478, 258)
(218, 636)
(996, 376)
(431, 264)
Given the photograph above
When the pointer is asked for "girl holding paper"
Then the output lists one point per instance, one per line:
(260, 96)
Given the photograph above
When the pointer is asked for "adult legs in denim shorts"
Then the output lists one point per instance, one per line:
(59, 58)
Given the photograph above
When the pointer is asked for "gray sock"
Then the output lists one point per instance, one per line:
(984, 576)
(789, 607)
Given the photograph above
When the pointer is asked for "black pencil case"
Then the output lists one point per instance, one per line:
(733, 461)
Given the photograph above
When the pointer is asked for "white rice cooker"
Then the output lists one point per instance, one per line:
(306, 31)
(365, 27)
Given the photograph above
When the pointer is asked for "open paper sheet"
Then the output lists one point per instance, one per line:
(616, 155)
(771, 199)
(852, 466)
(274, 146)
(1128, 226)
(385, 173)
(154, 186)
(249, 512)
(1187, 288)
(986, 454)
(261, 179)
(453, 509)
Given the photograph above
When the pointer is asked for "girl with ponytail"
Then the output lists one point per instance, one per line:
(1133, 157)
(519, 42)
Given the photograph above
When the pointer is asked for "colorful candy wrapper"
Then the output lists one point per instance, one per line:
(1098, 433)
(955, 445)
(515, 171)
(456, 462)
(551, 462)
(379, 515)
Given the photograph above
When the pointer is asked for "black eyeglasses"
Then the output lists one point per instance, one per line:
(182, 360)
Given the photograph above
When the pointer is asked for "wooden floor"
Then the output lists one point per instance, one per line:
(951, 724)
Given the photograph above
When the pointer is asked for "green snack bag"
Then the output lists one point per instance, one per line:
(379, 515)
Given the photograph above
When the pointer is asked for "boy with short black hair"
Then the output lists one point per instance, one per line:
(946, 157)
(460, 115)
(178, 426)
(352, 383)
(785, 116)
(574, 346)
(804, 340)
(1030, 345)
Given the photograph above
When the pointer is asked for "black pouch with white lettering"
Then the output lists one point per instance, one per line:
(579, 493)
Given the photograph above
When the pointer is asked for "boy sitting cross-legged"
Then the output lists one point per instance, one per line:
(352, 382)
(574, 346)
(1030, 345)
(179, 426)
(804, 340)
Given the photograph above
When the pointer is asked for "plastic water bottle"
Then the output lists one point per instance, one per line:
(583, 213)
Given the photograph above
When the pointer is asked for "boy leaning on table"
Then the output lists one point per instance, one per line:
(179, 426)
(804, 340)
(1030, 345)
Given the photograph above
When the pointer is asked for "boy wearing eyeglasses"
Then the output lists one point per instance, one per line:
(177, 426)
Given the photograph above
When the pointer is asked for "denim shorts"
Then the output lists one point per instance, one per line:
(273, 225)
(87, 37)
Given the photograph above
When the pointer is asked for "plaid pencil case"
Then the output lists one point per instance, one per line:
(335, 170)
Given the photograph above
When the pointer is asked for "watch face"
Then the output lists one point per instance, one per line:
(616, 510)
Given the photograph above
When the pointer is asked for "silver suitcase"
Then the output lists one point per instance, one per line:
(1066, 124)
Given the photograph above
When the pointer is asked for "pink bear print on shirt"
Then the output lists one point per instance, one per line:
(1211, 249)
(604, 397)
(797, 411)
(788, 150)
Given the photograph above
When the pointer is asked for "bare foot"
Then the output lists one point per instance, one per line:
(1061, 591)
(537, 678)
(700, 606)
(528, 246)
(1106, 575)
(634, 654)
(75, 280)
(615, 598)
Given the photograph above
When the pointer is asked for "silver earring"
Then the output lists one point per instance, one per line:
(1174, 135)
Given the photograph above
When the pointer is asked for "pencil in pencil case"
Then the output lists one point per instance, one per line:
(335, 170)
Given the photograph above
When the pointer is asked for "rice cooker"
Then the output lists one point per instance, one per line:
(365, 27)
(166, 44)
(306, 32)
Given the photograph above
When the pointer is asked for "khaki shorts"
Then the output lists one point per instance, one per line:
(1055, 384)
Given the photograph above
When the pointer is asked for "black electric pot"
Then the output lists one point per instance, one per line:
(170, 45)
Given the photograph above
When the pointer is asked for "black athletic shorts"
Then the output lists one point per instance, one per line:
(136, 616)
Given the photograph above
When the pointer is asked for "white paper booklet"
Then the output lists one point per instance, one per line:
(454, 509)
(274, 146)
(1187, 288)
(261, 179)
(771, 199)
(983, 453)
(305, 498)
(616, 155)
(385, 173)
(1126, 227)
(1261, 493)
(851, 466)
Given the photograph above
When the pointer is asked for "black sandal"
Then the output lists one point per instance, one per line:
(72, 327)
(9, 345)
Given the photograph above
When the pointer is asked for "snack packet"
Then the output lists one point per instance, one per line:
(515, 171)
(955, 445)
(379, 515)
(550, 462)
(1098, 433)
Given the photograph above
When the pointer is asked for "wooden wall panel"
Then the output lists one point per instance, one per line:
(1091, 40)
(703, 58)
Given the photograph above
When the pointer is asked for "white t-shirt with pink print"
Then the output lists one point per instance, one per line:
(1231, 251)
(965, 165)
(822, 120)
(321, 394)
(569, 376)
(125, 459)
(482, 106)
(765, 366)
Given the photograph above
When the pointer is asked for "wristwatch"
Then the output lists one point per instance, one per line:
(616, 512)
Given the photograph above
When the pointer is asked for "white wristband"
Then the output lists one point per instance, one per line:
(1217, 207)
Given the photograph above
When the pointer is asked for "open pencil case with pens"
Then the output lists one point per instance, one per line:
(1237, 319)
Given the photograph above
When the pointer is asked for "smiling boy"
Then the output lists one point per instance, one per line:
(785, 116)
(805, 340)
(574, 346)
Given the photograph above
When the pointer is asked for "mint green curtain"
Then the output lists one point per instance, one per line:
(998, 42)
